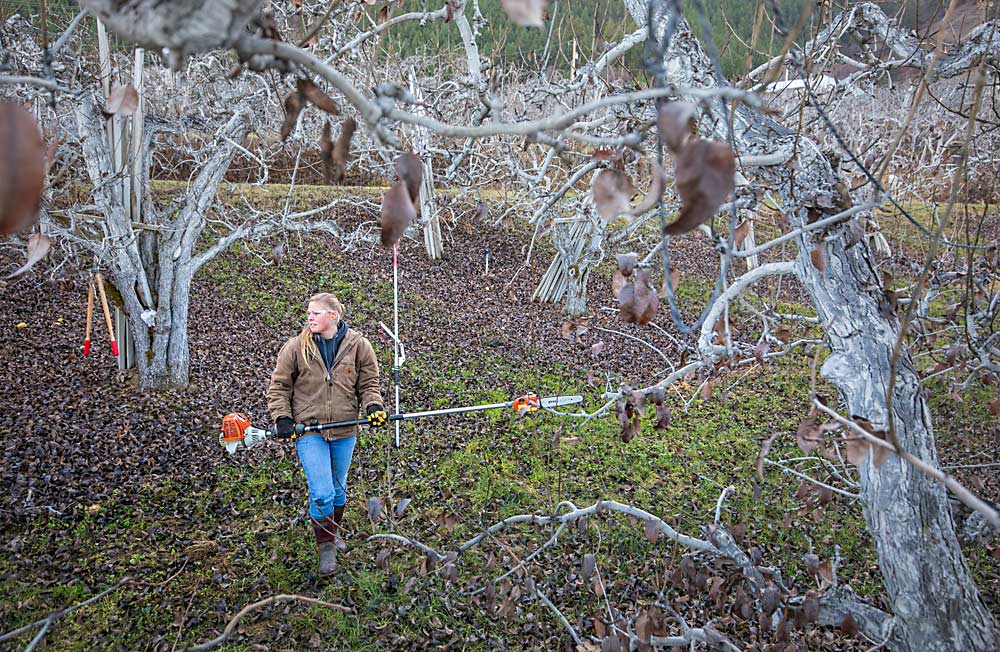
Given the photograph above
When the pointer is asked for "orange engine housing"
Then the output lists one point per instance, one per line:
(234, 425)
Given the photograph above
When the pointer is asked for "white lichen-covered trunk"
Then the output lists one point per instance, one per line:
(168, 255)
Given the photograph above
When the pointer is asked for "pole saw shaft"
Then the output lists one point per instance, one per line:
(237, 431)
(405, 416)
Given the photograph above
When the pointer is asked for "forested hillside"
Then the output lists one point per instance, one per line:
(581, 29)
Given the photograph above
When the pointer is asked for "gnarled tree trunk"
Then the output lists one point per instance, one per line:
(168, 256)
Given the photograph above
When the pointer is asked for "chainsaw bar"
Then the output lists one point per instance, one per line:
(552, 402)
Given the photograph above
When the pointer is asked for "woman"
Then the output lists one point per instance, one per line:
(324, 374)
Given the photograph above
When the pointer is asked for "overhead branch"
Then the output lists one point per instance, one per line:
(374, 111)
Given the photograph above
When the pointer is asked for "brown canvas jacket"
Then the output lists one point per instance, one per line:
(307, 393)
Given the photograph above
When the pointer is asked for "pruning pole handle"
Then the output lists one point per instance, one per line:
(107, 313)
(90, 317)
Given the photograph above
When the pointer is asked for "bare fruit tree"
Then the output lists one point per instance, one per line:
(716, 150)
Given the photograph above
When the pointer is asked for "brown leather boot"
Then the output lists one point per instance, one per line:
(338, 519)
(325, 531)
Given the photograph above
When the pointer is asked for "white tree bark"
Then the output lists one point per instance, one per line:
(162, 352)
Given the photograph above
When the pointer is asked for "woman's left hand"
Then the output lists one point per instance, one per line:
(376, 416)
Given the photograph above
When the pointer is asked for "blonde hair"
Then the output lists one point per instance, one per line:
(306, 344)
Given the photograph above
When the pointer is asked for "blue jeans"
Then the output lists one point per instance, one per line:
(325, 464)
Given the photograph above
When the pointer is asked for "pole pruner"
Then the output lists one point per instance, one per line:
(238, 432)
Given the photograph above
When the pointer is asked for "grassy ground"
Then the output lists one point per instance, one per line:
(199, 547)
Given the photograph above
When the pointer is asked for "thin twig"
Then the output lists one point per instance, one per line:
(548, 603)
(274, 599)
(963, 494)
(808, 478)
(46, 622)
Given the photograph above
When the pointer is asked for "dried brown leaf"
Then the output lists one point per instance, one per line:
(410, 169)
(618, 281)
(646, 300)
(818, 257)
(397, 214)
(626, 301)
(761, 350)
(38, 247)
(812, 563)
(278, 252)
(612, 191)
(651, 529)
(675, 279)
(294, 104)
(656, 187)
(676, 123)
(741, 233)
(810, 607)
(809, 433)
(770, 601)
(849, 626)
(627, 262)
(123, 100)
(22, 168)
(326, 154)
(662, 417)
(342, 148)
(704, 178)
(600, 629)
(527, 13)
(314, 94)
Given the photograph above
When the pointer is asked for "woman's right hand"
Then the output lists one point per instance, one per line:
(285, 428)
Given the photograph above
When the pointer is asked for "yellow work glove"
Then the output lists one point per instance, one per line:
(377, 416)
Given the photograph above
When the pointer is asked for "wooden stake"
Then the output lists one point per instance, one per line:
(107, 314)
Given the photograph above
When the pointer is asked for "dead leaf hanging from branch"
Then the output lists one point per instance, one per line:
(676, 121)
(38, 247)
(612, 191)
(312, 92)
(22, 168)
(123, 100)
(410, 169)
(326, 153)
(294, 104)
(342, 148)
(637, 301)
(528, 13)
(704, 178)
(397, 213)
